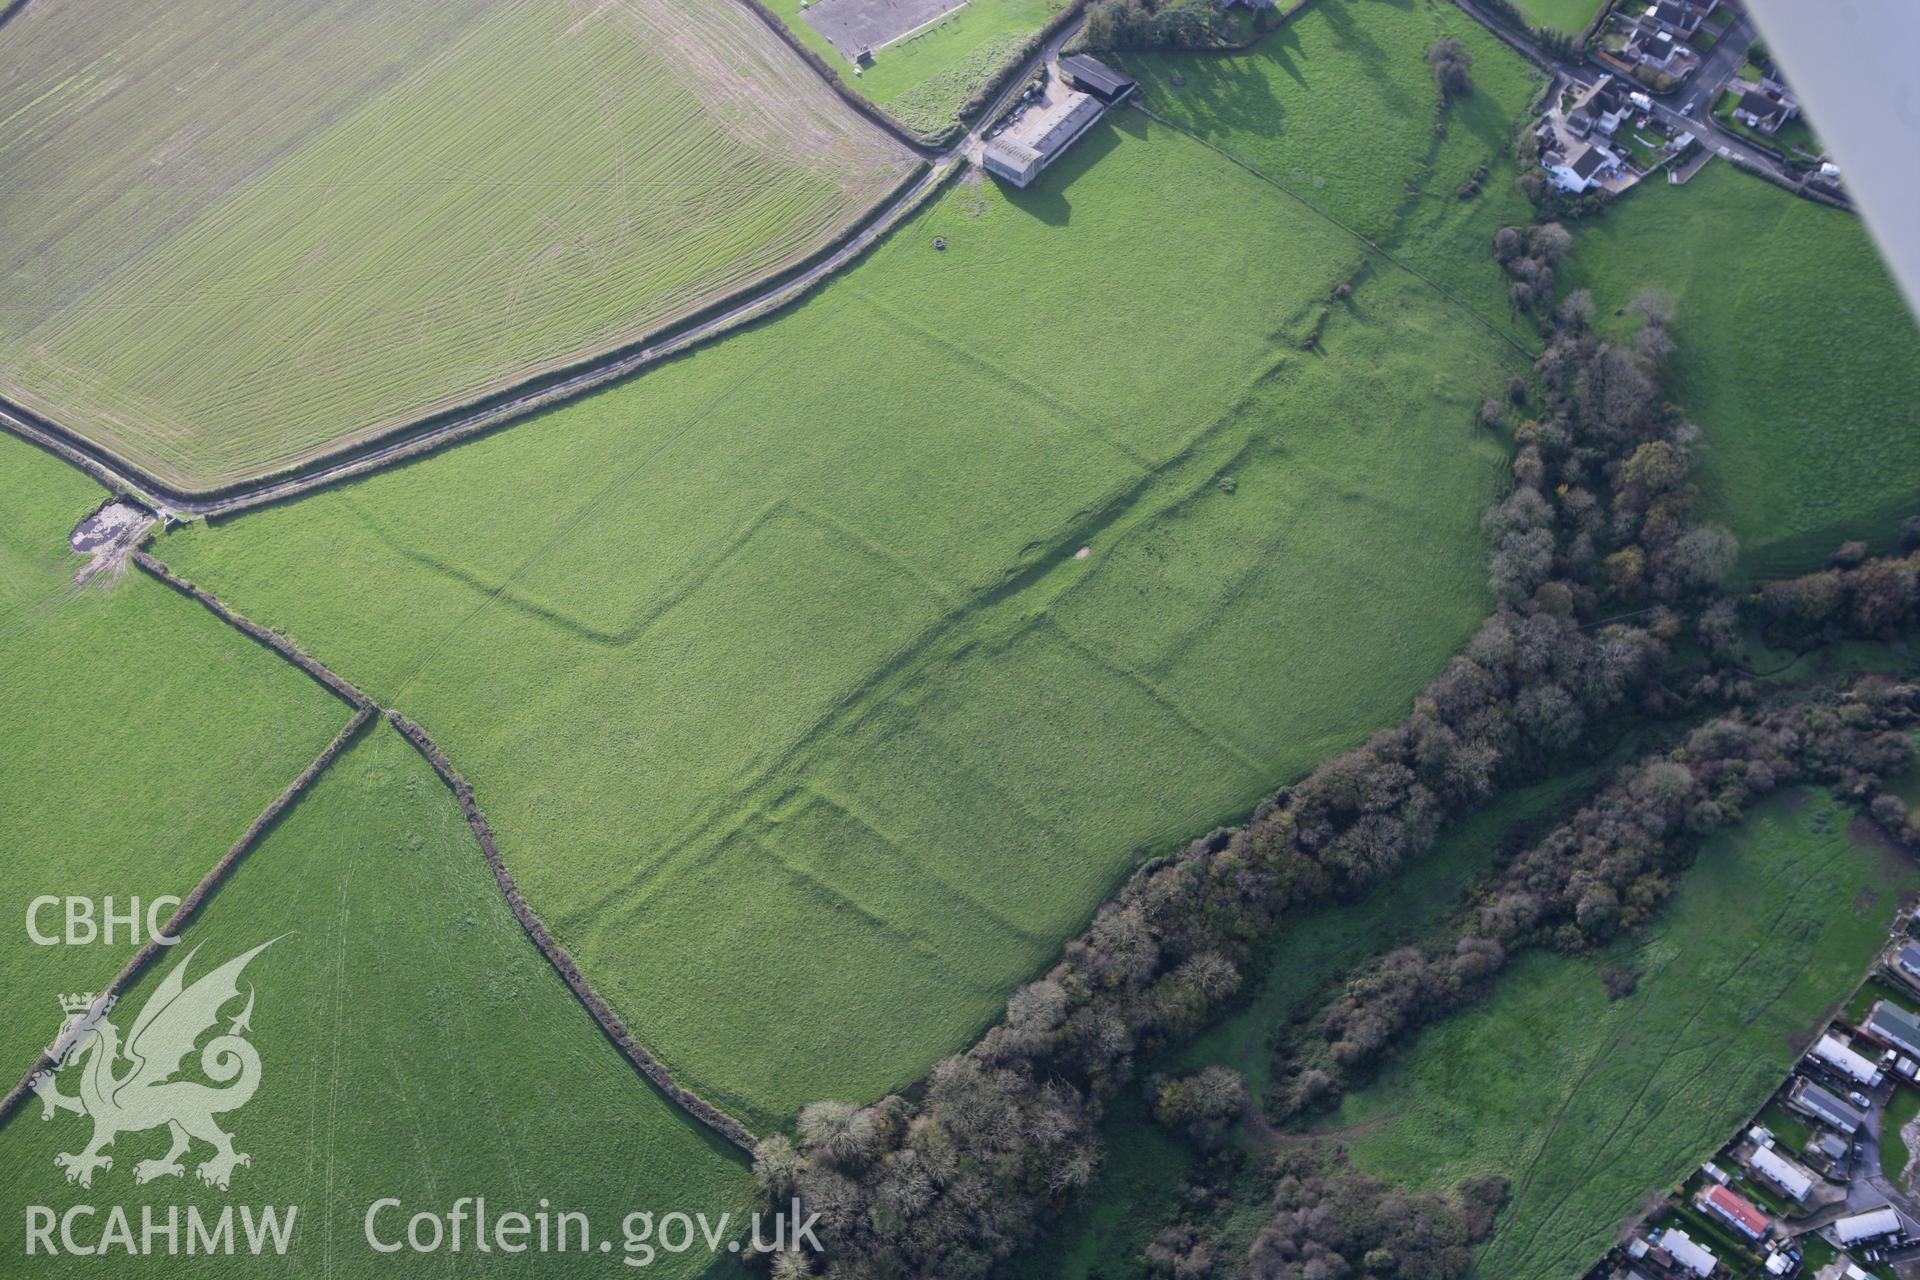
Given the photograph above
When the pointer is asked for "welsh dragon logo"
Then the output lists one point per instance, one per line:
(126, 1088)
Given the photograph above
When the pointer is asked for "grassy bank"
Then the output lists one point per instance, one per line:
(1796, 357)
(1588, 1104)
(778, 670)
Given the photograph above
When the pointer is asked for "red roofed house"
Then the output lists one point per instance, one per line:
(1735, 1210)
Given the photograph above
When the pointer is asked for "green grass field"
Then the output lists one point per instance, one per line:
(417, 207)
(777, 670)
(144, 735)
(1340, 107)
(1895, 1155)
(1796, 357)
(1587, 1105)
(1567, 16)
(1138, 1192)
(924, 78)
(413, 1044)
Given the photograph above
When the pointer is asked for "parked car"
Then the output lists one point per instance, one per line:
(1859, 1099)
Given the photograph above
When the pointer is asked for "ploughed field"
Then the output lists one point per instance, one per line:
(778, 670)
(245, 235)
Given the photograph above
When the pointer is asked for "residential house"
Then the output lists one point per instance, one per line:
(1583, 166)
(1823, 1105)
(1661, 50)
(1906, 961)
(1598, 107)
(1760, 110)
(1735, 1210)
(1782, 1174)
(1687, 1255)
(1894, 1026)
(1837, 1056)
(1867, 1226)
(1679, 18)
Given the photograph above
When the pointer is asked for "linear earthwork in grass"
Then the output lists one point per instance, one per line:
(780, 672)
(413, 206)
(145, 736)
(1339, 106)
(413, 1045)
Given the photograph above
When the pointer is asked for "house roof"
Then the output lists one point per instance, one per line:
(1738, 1210)
(1091, 73)
(1756, 103)
(1891, 1022)
(1865, 1226)
(1783, 1173)
(1680, 1246)
(1910, 956)
(1841, 1114)
(1845, 1059)
(1590, 161)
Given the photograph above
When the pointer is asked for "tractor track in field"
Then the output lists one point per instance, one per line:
(545, 391)
(365, 710)
(119, 476)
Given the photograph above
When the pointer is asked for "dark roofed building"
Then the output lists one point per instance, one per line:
(1890, 1024)
(1589, 162)
(1090, 75)
(1909, 959)
(1758, 105)
(1823, 1105)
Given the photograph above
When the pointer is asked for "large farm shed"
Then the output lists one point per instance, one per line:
(1043, 130)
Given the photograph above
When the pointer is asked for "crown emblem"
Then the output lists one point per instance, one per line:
(81, 1003)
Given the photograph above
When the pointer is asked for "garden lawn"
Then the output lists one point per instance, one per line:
(777, 669)
(1339, 106)
(143, 736)
(417, 206)
(1896, 1156)
(1796, 357)
(923, 79)
(413, 1045)
(1588, 1105)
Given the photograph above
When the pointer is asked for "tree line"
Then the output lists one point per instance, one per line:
(954, 1182)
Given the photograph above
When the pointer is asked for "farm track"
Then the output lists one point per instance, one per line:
(365, 710)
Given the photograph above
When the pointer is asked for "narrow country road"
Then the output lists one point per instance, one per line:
(615, 365)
